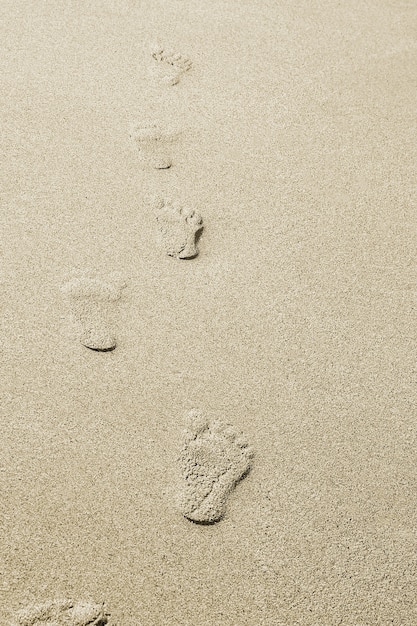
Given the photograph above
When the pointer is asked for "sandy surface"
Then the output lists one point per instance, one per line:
(296, 322)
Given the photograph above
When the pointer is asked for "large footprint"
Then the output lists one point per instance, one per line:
(90, 301)
(213, 460)
(170, 65)
(179, 228)
(62, 613)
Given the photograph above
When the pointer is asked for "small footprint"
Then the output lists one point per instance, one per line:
(179, 228)
(214, 458)
(170, 66)
(153, 145)
(90, 301)
(63, 613)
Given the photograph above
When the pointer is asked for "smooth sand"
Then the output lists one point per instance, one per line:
(296, 322)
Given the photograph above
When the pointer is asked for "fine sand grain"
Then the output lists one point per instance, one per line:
(290, 126)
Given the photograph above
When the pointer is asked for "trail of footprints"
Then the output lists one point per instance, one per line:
(214, 456)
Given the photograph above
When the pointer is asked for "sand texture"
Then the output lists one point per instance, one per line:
(287, 129)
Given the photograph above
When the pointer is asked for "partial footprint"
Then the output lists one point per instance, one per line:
(63, 613)
(179, 228)
(90, 301)
(213, 460)
(153, 145)
(170, 66)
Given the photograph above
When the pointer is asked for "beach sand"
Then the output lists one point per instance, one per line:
(295, 140)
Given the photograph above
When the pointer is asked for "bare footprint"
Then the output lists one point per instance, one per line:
(63, 613)
(170, 66)
(90, 300)
(179, 228)
(214, 458)
(153, 145)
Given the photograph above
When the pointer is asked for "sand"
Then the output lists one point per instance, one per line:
(296, 322)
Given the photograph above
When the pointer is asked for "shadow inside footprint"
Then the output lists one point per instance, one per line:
(197, 238)
(203, 522)
(101, 349)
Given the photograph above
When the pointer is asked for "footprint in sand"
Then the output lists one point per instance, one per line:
(214, 458)
(63, 613)
(90, 301)
(180, 228)
(153, 145)
(170, 66)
